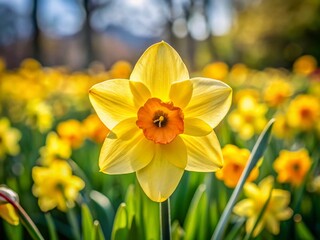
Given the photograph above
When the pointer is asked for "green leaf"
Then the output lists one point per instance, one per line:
(151, 217)
(234, 232)
(104, 210)
(256, 154)
(177, 231)
(302, 231)
(87, 223)
(12, 232)
(196, 220)
(51, 226)
(98, 234)
(120, 226)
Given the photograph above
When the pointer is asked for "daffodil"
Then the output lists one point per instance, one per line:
(216, 70)
(39, 115)
(161, 122)
(305, 65)
(249, 117)
(304, 112)
(121, 69)
(276, 92)
(281, 129)
(71, 130)
(55, 148)
(235, 160)
(292, 166)
(94, 128)
(9, 138)
(56, 186)
(7, 211)
(276, 209)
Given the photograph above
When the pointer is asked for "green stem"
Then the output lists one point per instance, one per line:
(74, 223)
(165, 221)
(256, 154)
(25, 219)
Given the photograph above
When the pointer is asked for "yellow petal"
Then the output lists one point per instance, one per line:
(125, 149)
(160, 178)
(175, 152)
(140, 93)
(158, 67)
(251, 190)
(204, 153)
(210, 101)
(259, 226)
(244, 208)
(272, 224)
(113, 101)
(8, 213)
(196, 127)
(266, 184)
(181, 93)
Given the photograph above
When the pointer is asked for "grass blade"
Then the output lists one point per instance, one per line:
(256, 154)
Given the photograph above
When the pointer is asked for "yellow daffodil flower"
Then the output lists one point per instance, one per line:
(216, 70)
(305, 65)
(161, 122)
(276, 92)
(281, 129)
(55, 186)
(9, 138)
(72, 131)
(314, 185)
(235, 160)
(121, 69)
(39, 115)
(7, 211)
(276, 210)
(304, 112)
(292, 166)
(239, 74)
(55, 148)
(94, 128)
(9, 214)
(248, 118)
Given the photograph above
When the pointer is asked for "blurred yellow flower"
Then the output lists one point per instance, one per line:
(238, 74)
(257, 196)
(39, 115)
(247, 92)
(2, 64)
(276, 92)
(292, 166)
(161, 122)
(55, 148)
(235, 160)
(7, 211)
(216, 70)
(9, 138)
(314, 185)
(304, 112)
(55, 186)
(281, 129)
(72, 131)
(248, 118)
(305, 65)
(94, 128)
(121, 69)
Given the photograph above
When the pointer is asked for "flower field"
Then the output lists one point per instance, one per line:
(74, 184)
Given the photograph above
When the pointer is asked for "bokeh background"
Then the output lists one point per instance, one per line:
(75, 33)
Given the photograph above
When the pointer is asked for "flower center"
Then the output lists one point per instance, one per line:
(160, 119)
(161, 122)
